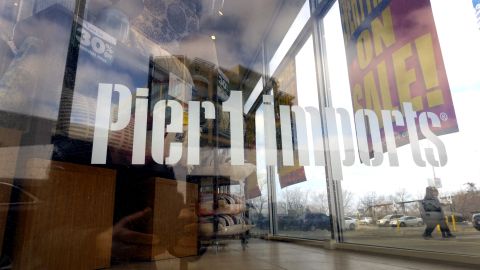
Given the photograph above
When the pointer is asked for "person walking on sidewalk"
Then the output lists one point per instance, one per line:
(433, 215)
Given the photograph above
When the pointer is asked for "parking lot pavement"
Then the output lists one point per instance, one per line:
(467, 241)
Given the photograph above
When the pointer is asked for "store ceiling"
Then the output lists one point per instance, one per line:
(243, 26)
(239, 31)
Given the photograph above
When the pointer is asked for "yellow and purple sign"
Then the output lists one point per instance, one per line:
(394, 57)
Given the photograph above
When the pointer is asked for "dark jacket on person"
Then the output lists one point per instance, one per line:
(432, 209)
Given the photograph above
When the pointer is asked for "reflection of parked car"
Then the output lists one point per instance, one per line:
(262, 222)
(350, 223)
(366, 221)
(476, 221)
(459, 218)
(385, 221)
(313, 221)
(407, 221)
(290, 223)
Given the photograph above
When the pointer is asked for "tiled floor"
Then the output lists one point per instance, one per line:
(263, 255)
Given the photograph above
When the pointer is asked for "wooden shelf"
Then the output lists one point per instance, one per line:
(71, 223)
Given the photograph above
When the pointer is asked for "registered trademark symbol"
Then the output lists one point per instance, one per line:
(443, 116)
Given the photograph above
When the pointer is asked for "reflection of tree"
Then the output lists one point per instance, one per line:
(466, 202)
(404, 203)
(377, 206)
(401, 196)
(260, 202)
(319, 202)
(471, 187)
(295, 201)
(463, 203)
(347, 202)
(373, 205)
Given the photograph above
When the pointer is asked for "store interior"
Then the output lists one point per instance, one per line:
(190, 134)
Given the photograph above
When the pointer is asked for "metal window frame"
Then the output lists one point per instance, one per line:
(314, 27)
(334, 188)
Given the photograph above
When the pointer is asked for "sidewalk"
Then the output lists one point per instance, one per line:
(271, 255)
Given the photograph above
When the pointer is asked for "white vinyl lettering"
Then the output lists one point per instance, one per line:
(103, 122)
(140, 127)
(286, 132)
(427, 132)
(116, 117)
(302, 139)
(235, 107)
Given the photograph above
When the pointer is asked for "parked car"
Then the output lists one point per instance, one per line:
(459, 218)
(476, 221)
(350, 223)
(261, 222)
(366, 221)
(290, 223)
(385, 221)
(407, 221)
(313, 221)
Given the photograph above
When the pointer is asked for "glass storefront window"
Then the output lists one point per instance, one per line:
(129, 129)
(392, 202)
(301, 194)
(142, 130)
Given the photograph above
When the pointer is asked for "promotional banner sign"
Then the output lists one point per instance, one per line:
(291, 175)
(476, 6)
(285, 93)
(394, 57)
(252, 190)
(96, 42)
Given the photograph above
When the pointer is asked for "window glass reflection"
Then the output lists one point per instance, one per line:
(302, 204)
(395, 205)
(117, 134)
